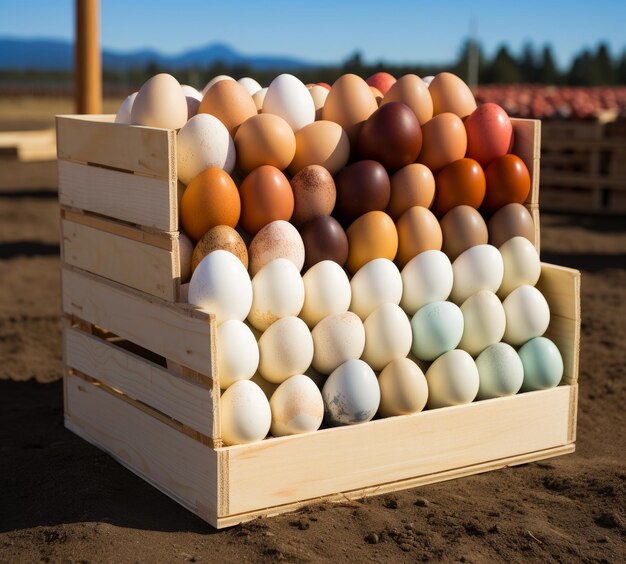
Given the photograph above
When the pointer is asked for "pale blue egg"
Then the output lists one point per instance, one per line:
(500, 370)
(437, 328)
(543, 364)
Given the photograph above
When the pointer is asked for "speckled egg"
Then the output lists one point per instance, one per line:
(220, 237)
(278, 239)
(314, 194)
(297, 407)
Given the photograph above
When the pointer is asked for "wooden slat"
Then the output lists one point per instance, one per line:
(527, 138)
(583, 180)
(27, 146)
(179, 466)
(533, 166)
(142, 200)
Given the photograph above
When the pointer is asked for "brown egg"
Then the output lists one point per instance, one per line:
(266, 196)
(412, 91)
(324, 239)
(412, 185)
(511, 221)
(278, 239)
(314, 194)
(322, 143)
(451, 94)
(362, 187)
(508, 182)
(444, 141)
(418, 231)
(220, 237)
(460, 183)
(463, 227)
(350, 102)
(229, 102)
(319, 95)
(264, 139)
(371, 236)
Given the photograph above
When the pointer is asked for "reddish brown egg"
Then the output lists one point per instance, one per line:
(324, 239)
(314, 194)
(412, 185)
(382, 81)
(461, 183)
(462, 227)
(508, 182)
(371, 236)
(489, 133)
(510, 221)
(444, 141)
(362, 187)
(418, 231)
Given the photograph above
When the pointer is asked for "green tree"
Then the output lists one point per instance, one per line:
(528, 64)
(621, 69)
(547, 72)
(504, 68)
(354, 63)
(603, 66)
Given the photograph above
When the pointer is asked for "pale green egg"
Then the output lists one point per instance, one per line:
(500, 370)
(543, 364)
(437, 328)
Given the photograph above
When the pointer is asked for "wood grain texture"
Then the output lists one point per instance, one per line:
(526, 138)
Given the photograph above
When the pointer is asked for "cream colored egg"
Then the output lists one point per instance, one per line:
(258, 98)
(326, 292)
(245, 413)
(483, 322)
(278, 239)
(527, 315)
(437, 328)
(452, 380)
(215, 80)
(426, 278)
(185, 250)
(388, 336)
(319, 95)
(288, 98)
(521, 265)
(500, 370)
(337, 339)
(477, 268)
(125, 109)
(297, 407)
(403, 388)
(250, 85)
(375, 283)
(237, 353)
(193, 98)
(160, 102)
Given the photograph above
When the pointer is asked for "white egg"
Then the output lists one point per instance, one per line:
(286, 348)
(336, 339)
(297, 407)
(403, 388)
(203, 142)
(351, 394)
(388, 336)
(500, 371)
(521, 265)
(245, 413)
(527, 315)
(288, 98)
(237, 352)
(215, 80)
(277, 239)
(483, 322)
(428, 79)
(452, 380)
(326, 291)
(125, 109)
(259, 98)
(193, 98)
(375, 283)
(185, 250)
(477, 268)
(220, 284)
(437, 328)
(278, 292)
(268, 387)
(191, 92)
(250, 85)
(426, 278)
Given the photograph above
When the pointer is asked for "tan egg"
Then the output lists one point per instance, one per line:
(220, 237)
(443, 141)
(378, 95)
(451, 94)
(371, 236)
(264, 139)
(322, 143)
(412, 185)
(278, 239)
(349, 103)
(314, 194)
(411, 90)
(319, 95)
(463, 227)
(258, 98)
(229, 102)
(512, 220)
(160, 102)
(418, 231)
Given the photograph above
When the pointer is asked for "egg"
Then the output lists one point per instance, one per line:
(286, 349)
(288, 98)
(297, 407)
(278, 239)
(264, 139)
(324, 239)
(336, 339)
(452, 380)
(201, 143)
(462, 227)
(451, 94)
(245, 413)
(371, 236)
(377, 282)
(382, 81)
(214, 81)
(185, 250)
(351, 394)
(314, 194)
(266, 196)
(278, 292)
(426, 278)
(220, 237)
(220, 285)
(411, 90)
(443, 141)
(483, 322)
(323, 143)
(388, 336)
(362, 187)
(508, 182)
(478, 268)
(319, 95)
(543, 364)
(489, 133)
(326, 292)
(191, 92)
(193, 98)
(527, 315)
(460, 183)
(403, 388)
(258, 98)
(437, 328)
(237, 353)
(412, 185)
(510, 221)
(428, 79)
(250, 85)
(378, 96)
(210, 199)
(521, 265)
(125, 109)
(418, 231)
(500, 371)
(229, 102)
(160, 102)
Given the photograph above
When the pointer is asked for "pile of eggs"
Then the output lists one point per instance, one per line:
(363, 247)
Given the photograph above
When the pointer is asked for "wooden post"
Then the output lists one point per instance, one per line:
(88, 73)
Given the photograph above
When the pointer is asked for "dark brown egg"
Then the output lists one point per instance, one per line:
(462, 227)
(314, 194)
(511, 221)
(324, 239)
(362, 187)
(392, 136)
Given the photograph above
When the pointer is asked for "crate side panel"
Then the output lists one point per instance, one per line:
(526, 138)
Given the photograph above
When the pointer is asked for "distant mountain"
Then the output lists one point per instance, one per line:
(43, 54)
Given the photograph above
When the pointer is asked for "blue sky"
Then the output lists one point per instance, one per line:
(330, 30)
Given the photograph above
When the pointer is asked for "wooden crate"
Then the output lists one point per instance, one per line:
(27, 160)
